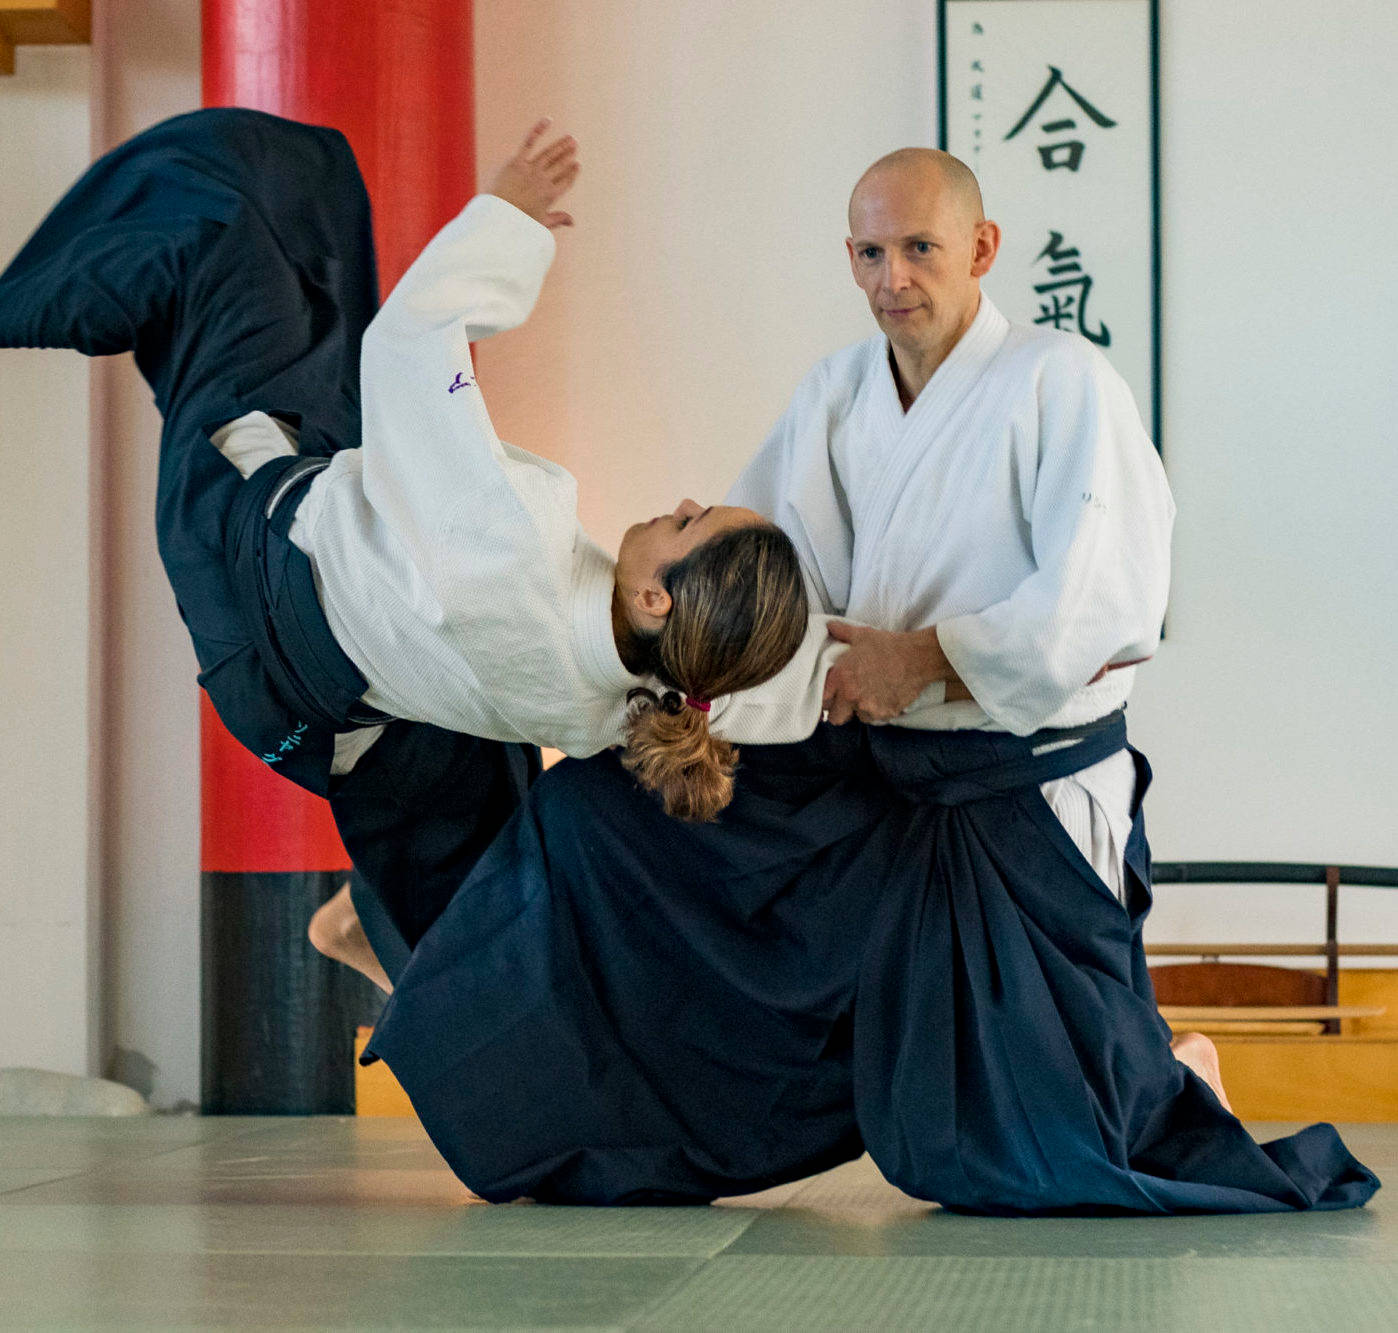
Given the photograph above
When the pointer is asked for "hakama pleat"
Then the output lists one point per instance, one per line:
(619, 1008)
(1009, 1055)
(872, 947)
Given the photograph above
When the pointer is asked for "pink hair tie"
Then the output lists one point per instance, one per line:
(703, 705)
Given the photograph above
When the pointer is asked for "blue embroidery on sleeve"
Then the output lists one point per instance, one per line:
(462, 381)
(287, 745)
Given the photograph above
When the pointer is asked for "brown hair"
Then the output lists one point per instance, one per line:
(737, 616)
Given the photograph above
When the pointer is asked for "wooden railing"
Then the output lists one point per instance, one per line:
(1305, 1018)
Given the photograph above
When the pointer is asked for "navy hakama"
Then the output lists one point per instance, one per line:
(887, 941)
(232, 252)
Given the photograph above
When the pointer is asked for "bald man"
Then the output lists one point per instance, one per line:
(986, 496)
(983, 493)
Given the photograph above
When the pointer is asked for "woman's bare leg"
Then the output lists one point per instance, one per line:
(1195, 1051)
(335, 931)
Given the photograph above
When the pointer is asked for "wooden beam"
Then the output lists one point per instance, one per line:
(46, 22)
(1311, 1078)
(1332, 948)
(7, 55)
(1280, 1013)
(1235, 950)
(1250, 1029)
(376, 1091)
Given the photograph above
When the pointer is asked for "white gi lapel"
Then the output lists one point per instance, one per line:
(918, 431)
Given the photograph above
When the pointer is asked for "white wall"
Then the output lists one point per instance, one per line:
(705, 275)
(99, 816)
(48, 985)
(146, 67)
(1272, 712)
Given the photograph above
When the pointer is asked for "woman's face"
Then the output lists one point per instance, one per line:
(647, 548)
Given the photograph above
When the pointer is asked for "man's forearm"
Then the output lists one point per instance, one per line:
(934, 665)
(927, 652)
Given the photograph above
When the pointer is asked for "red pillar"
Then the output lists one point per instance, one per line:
(395, 76)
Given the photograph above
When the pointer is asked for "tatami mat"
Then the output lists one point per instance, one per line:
(325, 1223)
(1029, 1292)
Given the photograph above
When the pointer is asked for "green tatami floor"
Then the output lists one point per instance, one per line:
(330, 1223)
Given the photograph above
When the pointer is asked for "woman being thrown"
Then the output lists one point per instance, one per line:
(446, 579)
(505, 620)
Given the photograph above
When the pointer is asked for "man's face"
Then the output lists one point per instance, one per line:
(918, 257)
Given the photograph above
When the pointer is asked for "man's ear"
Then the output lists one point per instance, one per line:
(849, 250)
(652, 600)
(986, 248)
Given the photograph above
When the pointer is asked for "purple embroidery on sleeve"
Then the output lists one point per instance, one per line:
(462, 381)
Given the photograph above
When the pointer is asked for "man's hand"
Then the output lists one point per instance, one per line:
(534, 184)
(884, 672)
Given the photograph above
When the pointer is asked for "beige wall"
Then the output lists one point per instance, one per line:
(705, 275)
(707, 269)
(99, 850)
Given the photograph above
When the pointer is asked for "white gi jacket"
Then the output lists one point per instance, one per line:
(451, 566)
(1018, 506)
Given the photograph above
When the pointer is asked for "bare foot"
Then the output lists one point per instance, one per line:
(335, 931)
(1195, 1051)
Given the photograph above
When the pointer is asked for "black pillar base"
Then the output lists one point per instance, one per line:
(278, 1019)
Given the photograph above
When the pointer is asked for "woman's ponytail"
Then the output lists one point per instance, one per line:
(671, 750)
(737, 616)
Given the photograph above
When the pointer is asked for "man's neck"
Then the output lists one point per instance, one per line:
(913, 367)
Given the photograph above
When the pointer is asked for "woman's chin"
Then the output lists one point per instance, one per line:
(628, 540)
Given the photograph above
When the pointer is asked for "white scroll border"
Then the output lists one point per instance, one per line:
(1154, 180)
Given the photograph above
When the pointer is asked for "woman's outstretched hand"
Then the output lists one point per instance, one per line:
(534, 182)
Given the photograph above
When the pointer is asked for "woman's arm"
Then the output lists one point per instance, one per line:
(481, 274)
(430, 449)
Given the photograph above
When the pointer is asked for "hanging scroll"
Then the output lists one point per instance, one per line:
(1053, 104)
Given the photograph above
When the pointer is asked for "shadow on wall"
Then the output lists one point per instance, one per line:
(133, 1069)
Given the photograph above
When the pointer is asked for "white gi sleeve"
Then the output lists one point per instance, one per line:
(490, 528)
(429, 445)
(1099, 511)
(787, 707)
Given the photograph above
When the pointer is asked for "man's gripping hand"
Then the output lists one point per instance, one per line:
(534, 184)
(884, 672)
